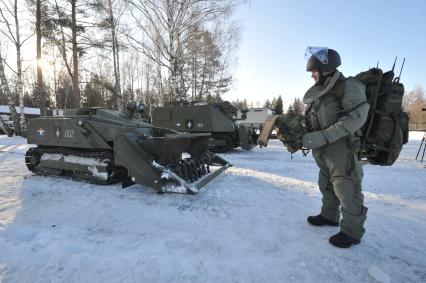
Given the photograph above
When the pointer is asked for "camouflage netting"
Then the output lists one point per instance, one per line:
(291, 129)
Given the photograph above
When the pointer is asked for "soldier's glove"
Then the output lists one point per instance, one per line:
(314, 140)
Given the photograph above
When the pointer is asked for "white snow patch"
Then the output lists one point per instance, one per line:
(73, 159)
(52, 156)
(156, 165)
(83, 160)
(174, 188)
(95, 172)
(8, 148)
(166, 175)
(379, 275)
(186, 155)
(27, 110)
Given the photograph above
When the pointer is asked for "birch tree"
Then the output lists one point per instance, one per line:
(110, 12)
(115, 54)
(9, 10)
(167, 27)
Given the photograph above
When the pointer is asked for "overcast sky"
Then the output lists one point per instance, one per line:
(276, 33)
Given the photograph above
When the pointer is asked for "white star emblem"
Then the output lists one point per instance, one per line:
(57, 133)
(177, 124)
(189, 124)
(41, 132)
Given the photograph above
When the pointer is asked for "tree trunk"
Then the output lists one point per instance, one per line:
(23, 128)
(40, 86)
(117, 49)
(75, 86)
(55, 79)
(115, 53)
(160, 86)
(172, 57)
(67, 103)
(147, 94)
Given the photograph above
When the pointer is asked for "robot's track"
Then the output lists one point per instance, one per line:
(113, 173)
(226, 139)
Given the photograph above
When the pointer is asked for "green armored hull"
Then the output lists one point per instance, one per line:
(216, 119)
(101, 146)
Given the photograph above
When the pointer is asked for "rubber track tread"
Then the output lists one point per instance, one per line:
(105, 155)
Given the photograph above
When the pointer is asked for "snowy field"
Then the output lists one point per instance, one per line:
(248, 225)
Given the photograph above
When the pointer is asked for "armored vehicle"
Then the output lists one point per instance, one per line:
(101, 146)
(218, 119)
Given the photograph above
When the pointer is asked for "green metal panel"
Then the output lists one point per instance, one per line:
(193, 119)
(64, 132)
(163, 115)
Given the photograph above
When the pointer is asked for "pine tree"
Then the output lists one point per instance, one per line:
(278, 108)
(290, 110)
(298, 107)
(267, 104)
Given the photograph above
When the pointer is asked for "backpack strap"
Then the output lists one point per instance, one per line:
(340, 92)
(340, 88)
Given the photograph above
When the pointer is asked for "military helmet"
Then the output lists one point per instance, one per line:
(322, 58)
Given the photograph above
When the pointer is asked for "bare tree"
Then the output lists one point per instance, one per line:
(75, 85)
(168, 27)
(13, 34)
(206, 68)
(115, 54)
(413, 102)
(183, 48)
(227, 39)
(107, 18)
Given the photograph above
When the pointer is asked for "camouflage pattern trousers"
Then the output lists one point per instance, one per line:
(339, 181)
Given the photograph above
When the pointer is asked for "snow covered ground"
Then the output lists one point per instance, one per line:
(248, 225)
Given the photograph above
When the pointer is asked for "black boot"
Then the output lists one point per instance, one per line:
(341, 240)
(319, 220)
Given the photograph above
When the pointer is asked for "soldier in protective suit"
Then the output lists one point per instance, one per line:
(336, 110)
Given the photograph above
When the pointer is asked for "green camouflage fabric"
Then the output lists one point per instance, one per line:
(291, 129)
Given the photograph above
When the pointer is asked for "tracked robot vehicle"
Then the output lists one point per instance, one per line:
(102, 146)
(218, 119)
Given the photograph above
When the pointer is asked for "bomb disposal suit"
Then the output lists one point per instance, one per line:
(336, 110)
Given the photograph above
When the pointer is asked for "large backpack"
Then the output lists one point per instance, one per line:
(386, 128)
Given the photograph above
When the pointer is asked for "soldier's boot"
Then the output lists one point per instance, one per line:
(342, 240)
(319, 220)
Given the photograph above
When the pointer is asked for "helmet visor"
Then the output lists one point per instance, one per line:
(321, 53)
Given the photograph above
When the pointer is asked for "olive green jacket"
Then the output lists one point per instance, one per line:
(337, 108)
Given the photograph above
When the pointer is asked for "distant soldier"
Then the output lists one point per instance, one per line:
(336, 110)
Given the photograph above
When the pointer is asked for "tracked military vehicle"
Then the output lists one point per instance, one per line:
(100, 146)
(218, 119)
